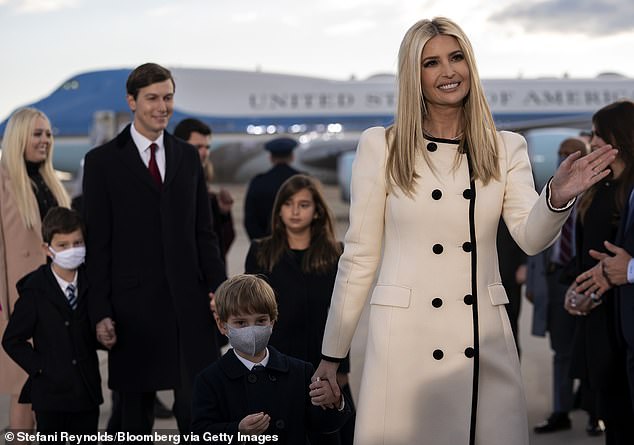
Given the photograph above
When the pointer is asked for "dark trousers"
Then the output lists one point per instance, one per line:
(630, 373)
(561, 329)
(617, 405)
(81, 422)
(134, 411)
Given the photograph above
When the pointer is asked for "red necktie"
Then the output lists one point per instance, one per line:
(153, 166)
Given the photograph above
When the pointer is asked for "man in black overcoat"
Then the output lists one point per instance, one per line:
(260, 197)
(153, 258)
(618, 267)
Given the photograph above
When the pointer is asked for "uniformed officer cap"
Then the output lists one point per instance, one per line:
(280, 146)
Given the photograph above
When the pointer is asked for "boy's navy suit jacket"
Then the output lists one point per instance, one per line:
(62, 362)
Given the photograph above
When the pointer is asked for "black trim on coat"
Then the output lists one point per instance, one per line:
(550, 206)
(474, 290)
(332, 359)
(431, 138)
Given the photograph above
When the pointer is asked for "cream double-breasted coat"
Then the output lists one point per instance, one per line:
(441, 367)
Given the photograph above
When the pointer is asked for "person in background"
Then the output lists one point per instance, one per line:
(427, 196)
(28, 189)
(599, 355)
(617, 264)
(512, 261)
(198, 134)
(299, 260)
(258, 202)
(550, 273)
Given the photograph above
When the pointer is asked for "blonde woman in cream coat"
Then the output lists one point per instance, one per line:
(26, 166)
(441, 366)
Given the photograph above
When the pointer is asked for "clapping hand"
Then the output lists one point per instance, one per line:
(592, 282)
(613, 267)
(576, 174)
(578, 304)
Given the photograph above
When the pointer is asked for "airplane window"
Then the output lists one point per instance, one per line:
(71, 85)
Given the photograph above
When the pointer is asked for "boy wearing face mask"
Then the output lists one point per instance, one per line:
(254, 390)
(64, 384)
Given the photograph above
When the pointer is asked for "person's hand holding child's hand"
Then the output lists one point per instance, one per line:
(321, 394)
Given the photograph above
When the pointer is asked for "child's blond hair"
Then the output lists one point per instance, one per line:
(245, 294)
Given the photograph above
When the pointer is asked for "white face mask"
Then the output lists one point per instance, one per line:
(70, 258)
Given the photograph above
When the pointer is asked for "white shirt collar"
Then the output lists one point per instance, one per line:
(63, 284)
(143, 143)
(249, 364)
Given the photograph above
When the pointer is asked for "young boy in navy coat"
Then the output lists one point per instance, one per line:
(64, 384)
(254, 390)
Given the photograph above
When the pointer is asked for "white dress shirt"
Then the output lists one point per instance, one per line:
(249, 364)
(143, 145)
(63, 284)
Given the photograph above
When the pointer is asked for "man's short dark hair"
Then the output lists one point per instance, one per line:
(61, 220)
(186, 127)
(147, 74)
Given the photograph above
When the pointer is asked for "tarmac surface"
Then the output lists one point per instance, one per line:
(536, 354)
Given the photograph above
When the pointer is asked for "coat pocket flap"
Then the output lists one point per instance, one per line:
(391, 296)
(497, 293)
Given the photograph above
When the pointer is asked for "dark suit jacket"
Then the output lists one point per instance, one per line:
(260, 197)
(227, 391)
(625, 293)
(152, 259)
(62, 361)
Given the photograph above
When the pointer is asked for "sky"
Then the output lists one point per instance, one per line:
(45, 42)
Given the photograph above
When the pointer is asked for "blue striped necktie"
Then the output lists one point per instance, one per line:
(71, 296)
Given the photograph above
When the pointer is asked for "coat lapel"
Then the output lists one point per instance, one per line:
(57, 298)
(173, 156)
(82, 283)
(130, 158)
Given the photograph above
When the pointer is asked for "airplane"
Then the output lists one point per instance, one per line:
(247, 108)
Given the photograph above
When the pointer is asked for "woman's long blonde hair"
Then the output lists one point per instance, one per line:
(16, 138)
(405, 137)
